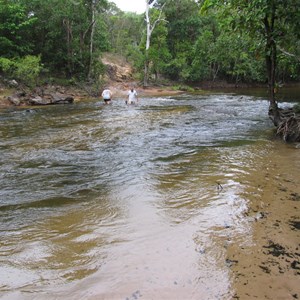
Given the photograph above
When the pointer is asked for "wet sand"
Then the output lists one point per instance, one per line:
(269, 268)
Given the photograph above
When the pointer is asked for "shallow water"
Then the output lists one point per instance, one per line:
(118, 202)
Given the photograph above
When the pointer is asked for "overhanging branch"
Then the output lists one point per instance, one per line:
(288, 53)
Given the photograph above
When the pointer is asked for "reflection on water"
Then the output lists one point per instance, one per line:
(117, 202)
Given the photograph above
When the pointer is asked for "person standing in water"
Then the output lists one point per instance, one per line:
(106, 95)
(132, 97)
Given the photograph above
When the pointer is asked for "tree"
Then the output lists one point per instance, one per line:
(221, 53)
(159, 54)
(272, 20)
(150, 26)
(95, 7)
(183, 25)
(125, 31)
(16, 25)
(66, 34)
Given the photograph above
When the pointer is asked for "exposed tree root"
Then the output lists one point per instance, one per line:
(289, 126)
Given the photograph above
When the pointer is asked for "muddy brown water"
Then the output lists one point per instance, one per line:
(118, 202)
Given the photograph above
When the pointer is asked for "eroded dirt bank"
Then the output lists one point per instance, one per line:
(269, 268)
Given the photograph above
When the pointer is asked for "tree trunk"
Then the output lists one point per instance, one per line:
(150, 27)
(69, 37)
(92, 41)
(271, 57)
(146, 70)
(148, 37)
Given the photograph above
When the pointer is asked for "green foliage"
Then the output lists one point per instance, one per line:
(183, 26)
(63, 34)
(159, 54)
(271, 24)
(28, 69)
(98, 67)
(25, 70)
(6, 65)
(198, 40)
(183, 88)
(135, 56)
(211, 50)
(16, 25)
(201, 63)
(125, 30)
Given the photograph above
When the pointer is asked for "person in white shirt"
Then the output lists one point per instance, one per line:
(106, 95)
(132, 97)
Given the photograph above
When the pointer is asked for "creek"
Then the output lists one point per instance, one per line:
(126, 202)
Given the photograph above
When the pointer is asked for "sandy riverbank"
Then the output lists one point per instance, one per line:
(270, 267)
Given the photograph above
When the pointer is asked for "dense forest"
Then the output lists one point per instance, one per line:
(180, 40)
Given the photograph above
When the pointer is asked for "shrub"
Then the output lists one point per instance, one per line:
(6, 65)
(28, 69)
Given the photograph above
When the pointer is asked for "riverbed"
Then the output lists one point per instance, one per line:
(163, 200)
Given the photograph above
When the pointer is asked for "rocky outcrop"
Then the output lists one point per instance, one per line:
(40, 97)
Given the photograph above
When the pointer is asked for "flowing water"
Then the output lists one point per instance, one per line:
(127, 202)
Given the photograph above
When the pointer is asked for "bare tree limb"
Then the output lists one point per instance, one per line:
(149, 29)
(288, 53)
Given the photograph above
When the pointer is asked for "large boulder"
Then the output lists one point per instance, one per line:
(53, 98)
(59, 98)
(17, 98)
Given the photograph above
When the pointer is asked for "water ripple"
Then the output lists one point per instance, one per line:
(150, 192)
